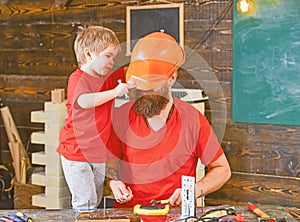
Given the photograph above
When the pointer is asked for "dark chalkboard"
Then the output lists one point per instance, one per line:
(142, 20)
(266, 64)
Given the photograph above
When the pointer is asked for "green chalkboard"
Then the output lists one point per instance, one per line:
(266, 63)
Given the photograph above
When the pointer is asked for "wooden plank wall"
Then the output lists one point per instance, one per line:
(36, 56)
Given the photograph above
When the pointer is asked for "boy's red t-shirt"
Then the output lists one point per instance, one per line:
(152, 163)
(86, 131)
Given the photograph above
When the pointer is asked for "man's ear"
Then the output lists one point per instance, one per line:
(173, 78)
(175, 74)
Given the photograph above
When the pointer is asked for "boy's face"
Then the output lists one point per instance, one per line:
(103, 63)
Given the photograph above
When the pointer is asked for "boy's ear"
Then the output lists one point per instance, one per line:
(87, 54)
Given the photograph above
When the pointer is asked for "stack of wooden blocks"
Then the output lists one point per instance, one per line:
(57, 195)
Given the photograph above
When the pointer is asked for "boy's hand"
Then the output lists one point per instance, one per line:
(121, 89)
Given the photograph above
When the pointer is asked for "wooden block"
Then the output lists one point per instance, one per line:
(38, 116)
(57, 107)
(41, 138)
(38, 158)
(50, 148)
(53, 181)
(57, 203)
(57, 192)
(57, 95)
(200, 107)
(50, 138)
(56, 117)
(52, 128)
(39, 200)
(53, 160)
(55, 171)
(50, 117)
(200, 170)
(200, 173)
(39, 178)
(38, 137)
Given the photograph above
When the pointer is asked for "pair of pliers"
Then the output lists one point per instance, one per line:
(155, 202)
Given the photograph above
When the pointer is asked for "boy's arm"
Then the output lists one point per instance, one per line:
(90, 100)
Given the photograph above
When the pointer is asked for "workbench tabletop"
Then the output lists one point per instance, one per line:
(66, 215)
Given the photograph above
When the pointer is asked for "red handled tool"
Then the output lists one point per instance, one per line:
(256, 210)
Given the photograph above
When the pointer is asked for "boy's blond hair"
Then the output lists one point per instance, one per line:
(94, 38)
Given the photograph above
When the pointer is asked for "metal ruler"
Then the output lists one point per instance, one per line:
(188, 198)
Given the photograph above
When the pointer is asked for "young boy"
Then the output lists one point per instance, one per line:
(91, 91)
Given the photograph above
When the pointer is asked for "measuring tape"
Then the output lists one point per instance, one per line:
(151, 213)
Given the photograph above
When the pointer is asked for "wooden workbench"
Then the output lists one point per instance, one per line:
(66, 215)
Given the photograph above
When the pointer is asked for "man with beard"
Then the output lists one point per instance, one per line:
(156, 138)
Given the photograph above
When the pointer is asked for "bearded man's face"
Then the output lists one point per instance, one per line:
(150, 103)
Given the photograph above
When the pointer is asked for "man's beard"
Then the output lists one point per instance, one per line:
(150, 103)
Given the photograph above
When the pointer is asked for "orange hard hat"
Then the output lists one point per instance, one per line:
(154, 59)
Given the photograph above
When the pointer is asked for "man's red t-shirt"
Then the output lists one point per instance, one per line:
(86, 131)
(152, 163)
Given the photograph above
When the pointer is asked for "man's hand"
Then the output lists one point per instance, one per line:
(121, 192)
(175, 198)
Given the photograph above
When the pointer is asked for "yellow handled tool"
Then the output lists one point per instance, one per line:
(155, 202)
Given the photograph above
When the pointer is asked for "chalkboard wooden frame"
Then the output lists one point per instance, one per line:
(142, 20)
